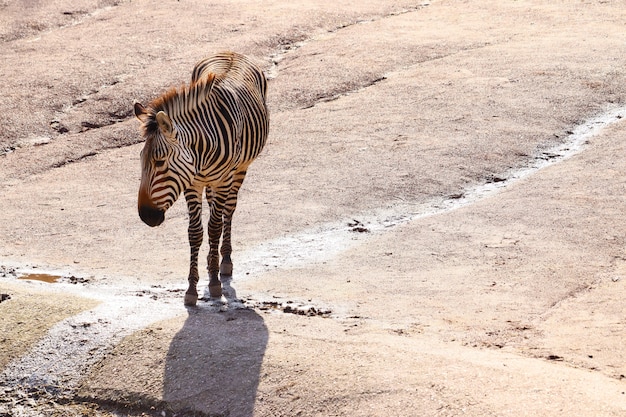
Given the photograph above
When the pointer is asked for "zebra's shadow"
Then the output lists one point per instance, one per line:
(228, 292)
(213, 364)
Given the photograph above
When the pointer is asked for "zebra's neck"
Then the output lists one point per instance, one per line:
(182, 105)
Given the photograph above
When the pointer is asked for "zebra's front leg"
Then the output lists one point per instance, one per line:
(215, 285)
(194, 206)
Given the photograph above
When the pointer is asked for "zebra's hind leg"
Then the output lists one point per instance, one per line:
(194, 206)
(215, 285)
(226, 266)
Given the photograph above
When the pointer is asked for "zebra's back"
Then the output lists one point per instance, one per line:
(236, 73)
(231, 66)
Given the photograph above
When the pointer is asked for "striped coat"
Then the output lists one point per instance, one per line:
(201, 138)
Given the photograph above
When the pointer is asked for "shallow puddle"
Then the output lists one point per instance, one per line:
(50, 279)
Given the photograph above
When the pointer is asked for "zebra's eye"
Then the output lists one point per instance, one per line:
(159, 163)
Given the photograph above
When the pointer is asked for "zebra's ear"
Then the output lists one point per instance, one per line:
(165, 124)
(140, 111)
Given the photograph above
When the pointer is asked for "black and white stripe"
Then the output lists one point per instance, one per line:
(200, 138)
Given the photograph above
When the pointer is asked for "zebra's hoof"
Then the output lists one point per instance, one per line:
(215, 290)
(191, 299)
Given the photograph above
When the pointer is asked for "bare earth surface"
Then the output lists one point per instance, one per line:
(436, 227)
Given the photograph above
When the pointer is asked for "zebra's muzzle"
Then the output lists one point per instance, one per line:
(151, 216)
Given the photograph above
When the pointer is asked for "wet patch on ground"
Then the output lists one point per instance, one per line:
(48, 278)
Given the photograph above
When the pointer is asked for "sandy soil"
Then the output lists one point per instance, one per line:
(397, 210)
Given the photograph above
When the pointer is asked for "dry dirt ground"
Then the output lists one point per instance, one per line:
(440, 204)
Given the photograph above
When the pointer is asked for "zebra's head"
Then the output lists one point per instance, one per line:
(166, 166)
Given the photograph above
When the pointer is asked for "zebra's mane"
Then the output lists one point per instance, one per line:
(178, 102)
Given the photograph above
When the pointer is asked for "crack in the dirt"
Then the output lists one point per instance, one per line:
(85, 125)
(344, 92)
(72, 160)
(375, 80)
(287, 44)
(574, 293)
(16, 399)
(29, 29)
(110, 117)
(132, 402)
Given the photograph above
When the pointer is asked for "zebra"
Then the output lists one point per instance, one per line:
(201, 138)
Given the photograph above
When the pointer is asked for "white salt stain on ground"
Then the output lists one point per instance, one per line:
(324, 242)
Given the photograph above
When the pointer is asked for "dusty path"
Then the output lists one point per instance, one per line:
(397, 210)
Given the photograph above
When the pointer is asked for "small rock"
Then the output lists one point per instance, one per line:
(78, 280)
